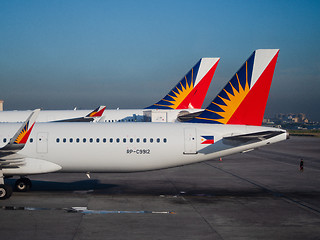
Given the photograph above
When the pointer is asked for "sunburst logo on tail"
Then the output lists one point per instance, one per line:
(229, 100)
(97, 112)
(92, 114)
(232, 103)
(179, 93)
(22, 134)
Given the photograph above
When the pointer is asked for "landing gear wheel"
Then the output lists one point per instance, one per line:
(23, 185)
(5, 191)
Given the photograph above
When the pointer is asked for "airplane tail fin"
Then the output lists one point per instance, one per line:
(244, 98)
(192, 89)
(22, 135)
(97, 112)
(20, 138)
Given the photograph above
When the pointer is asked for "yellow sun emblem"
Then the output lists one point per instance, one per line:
(22, 134)
(230, 105)
(179, 94)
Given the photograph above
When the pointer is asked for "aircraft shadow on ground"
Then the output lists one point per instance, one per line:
(83, 185)
(140, 189)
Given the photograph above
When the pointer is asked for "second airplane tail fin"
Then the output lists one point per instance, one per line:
(243, 100)
(192, 89)
(97, 112)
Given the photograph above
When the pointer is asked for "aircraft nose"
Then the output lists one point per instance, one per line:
(288, 135)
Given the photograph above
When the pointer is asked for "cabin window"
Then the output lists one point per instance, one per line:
(97, 140)
(158, 140)
(57, 140)
(77, 140)
(4, 140)
(131, 140)
(151, 140)
(104, 140)
(84, 140)
(64, 140)
(124, 140)
(71, 140)
(144, 140)
(117, 140)
(138, 140)
(31, 140)
(111, 140)
(164, 140)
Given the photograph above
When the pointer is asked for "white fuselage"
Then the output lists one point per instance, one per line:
(125, 147)
(109, 115)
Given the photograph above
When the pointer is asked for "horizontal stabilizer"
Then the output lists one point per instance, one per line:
(97, 113)
(188, 117)
(29, 166)
(250, 138)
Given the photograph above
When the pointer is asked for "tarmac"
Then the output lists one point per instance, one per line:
(257, 195)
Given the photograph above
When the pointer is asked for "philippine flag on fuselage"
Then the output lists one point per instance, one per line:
(207, 139)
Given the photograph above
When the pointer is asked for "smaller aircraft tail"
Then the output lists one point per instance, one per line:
(243, 100)
(93, 116)
(97, 112)
(22, 135)
(192, 89)
(20, 138)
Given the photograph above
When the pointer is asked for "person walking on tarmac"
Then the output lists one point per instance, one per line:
(301, 165)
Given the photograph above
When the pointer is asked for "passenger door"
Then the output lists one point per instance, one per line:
(42, 142)
(190, 141)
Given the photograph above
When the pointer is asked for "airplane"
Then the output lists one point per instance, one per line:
(186, 97)
(229, 125)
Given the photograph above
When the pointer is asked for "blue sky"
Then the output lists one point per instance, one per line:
(129, 54)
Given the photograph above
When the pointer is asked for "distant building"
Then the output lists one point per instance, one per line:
(267, 121)
(291, 118)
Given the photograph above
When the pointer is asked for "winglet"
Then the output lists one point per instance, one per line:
(97, 112)
(22, 135)
(190, 92)
(243, 100)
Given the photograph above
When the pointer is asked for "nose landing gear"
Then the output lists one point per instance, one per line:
(5, 191)
(22, 185)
